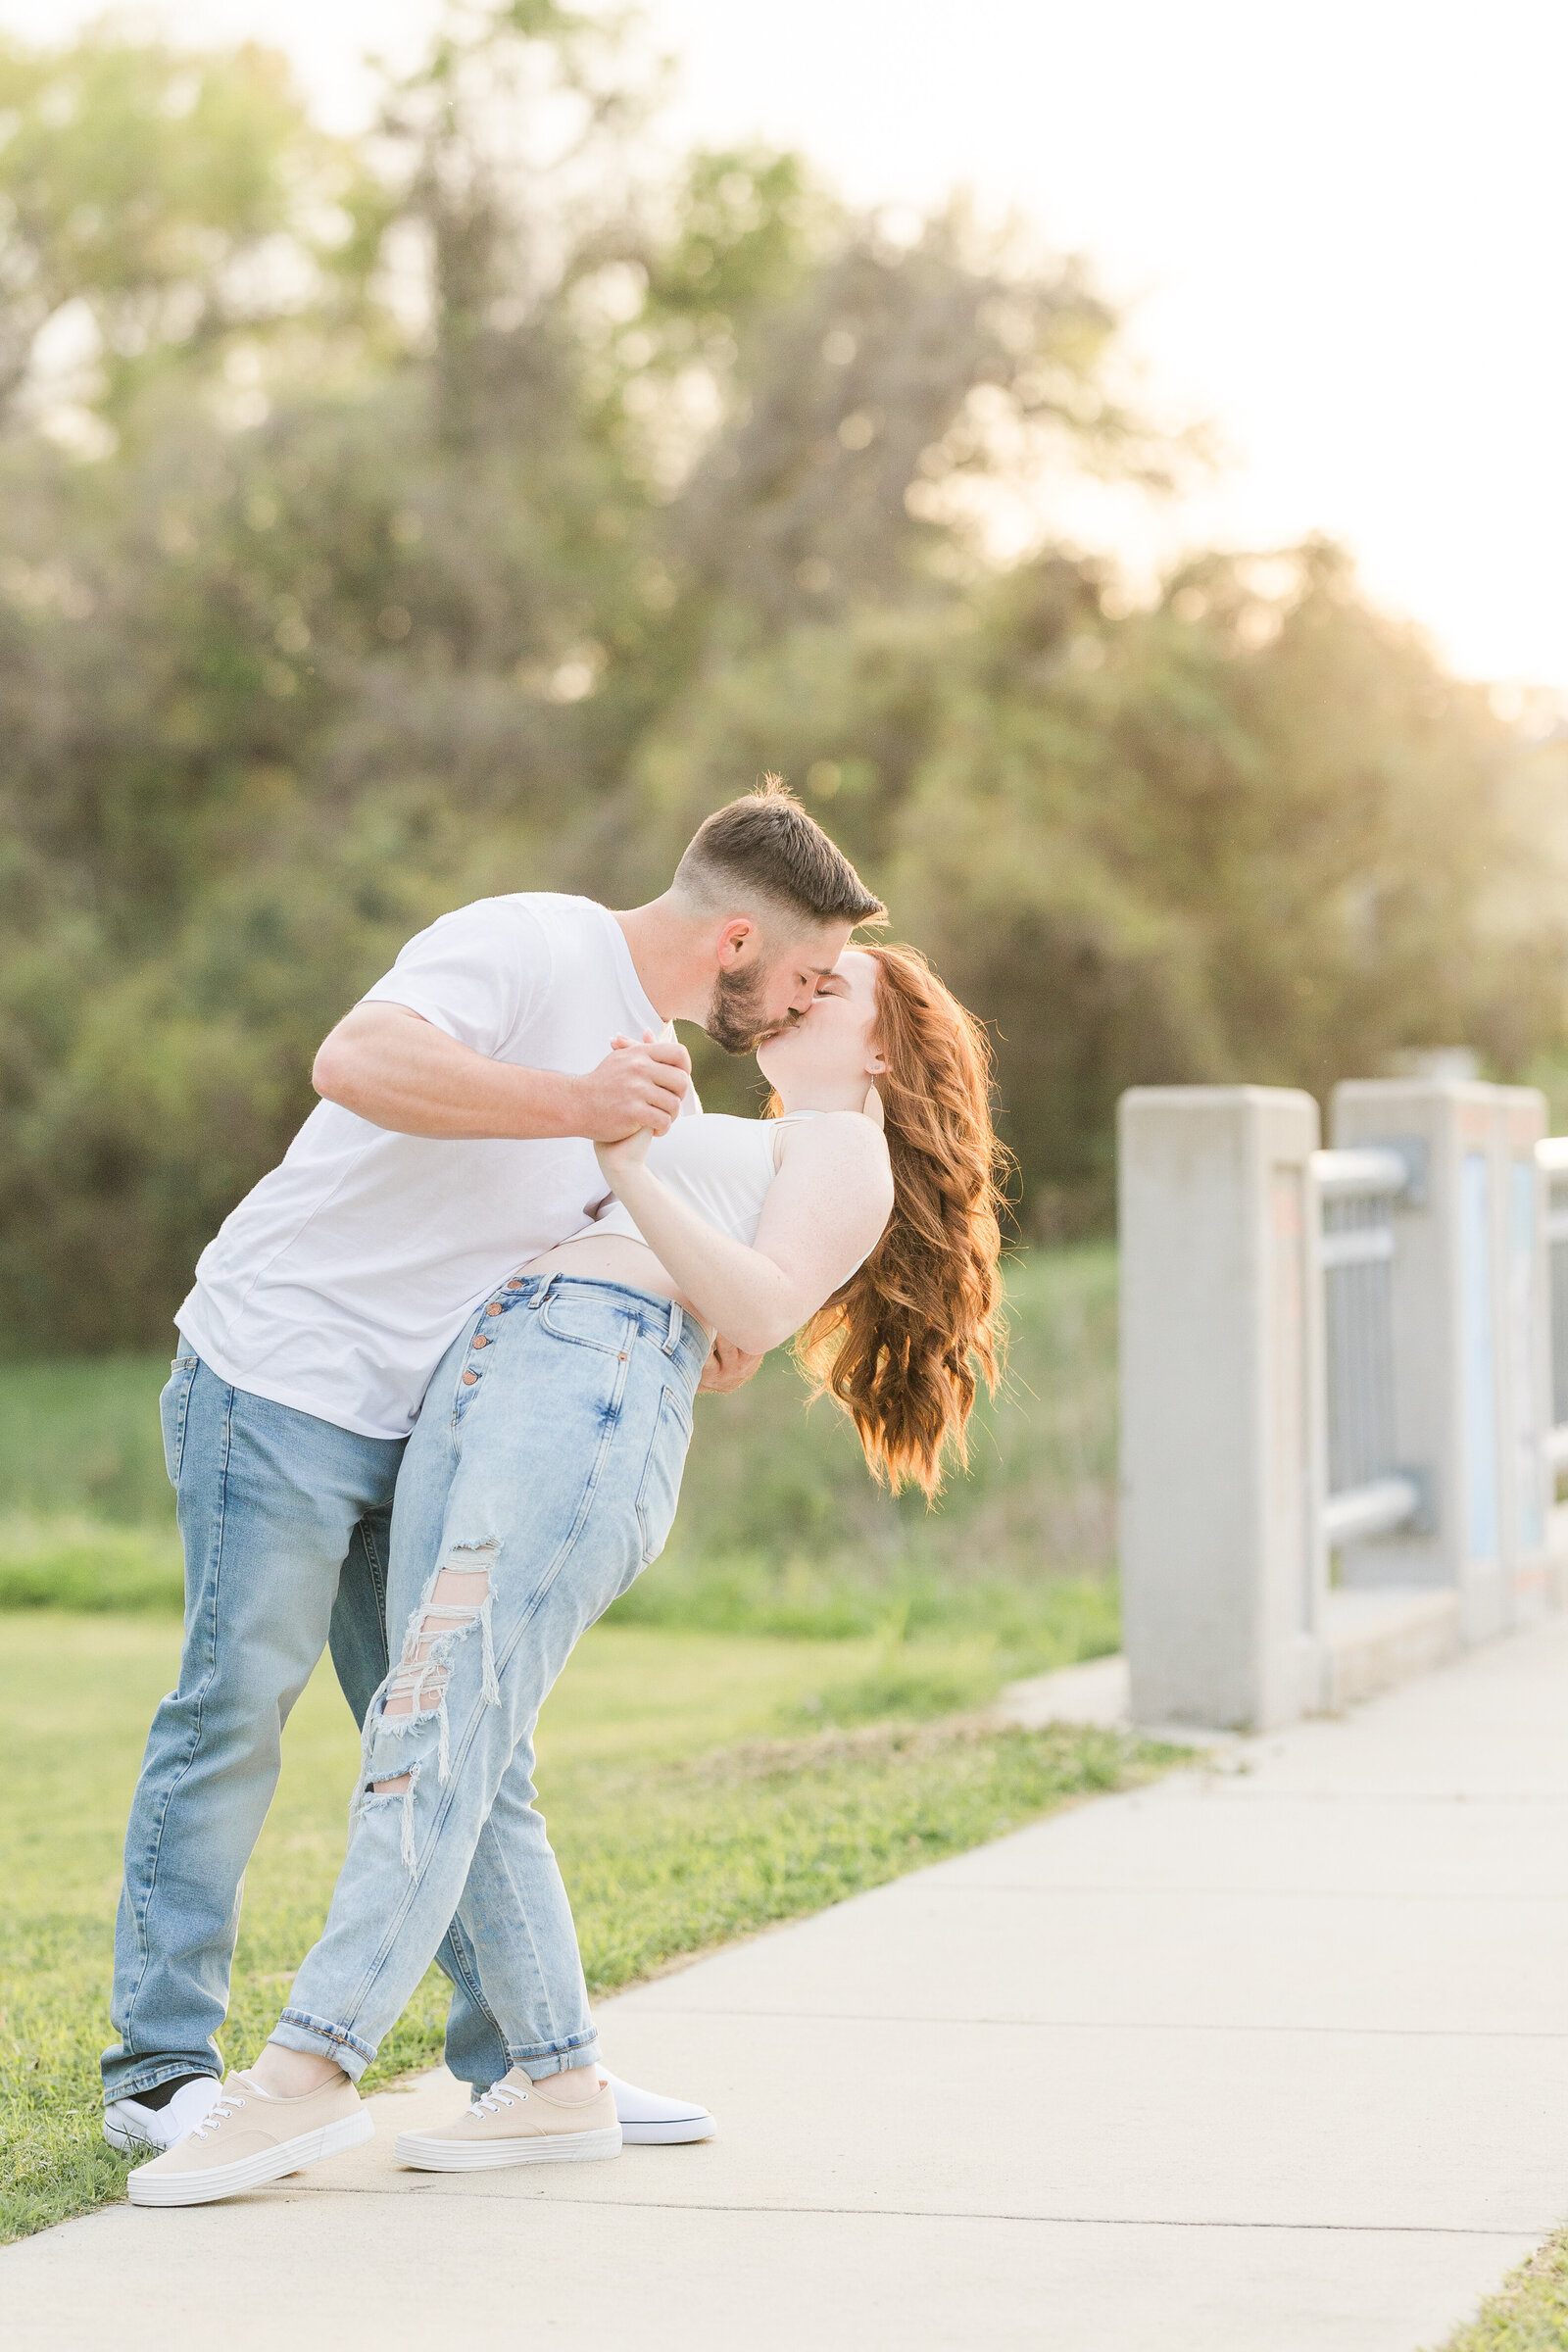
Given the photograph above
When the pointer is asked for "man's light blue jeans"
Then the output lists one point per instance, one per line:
(286, 1527)
(542, 1478)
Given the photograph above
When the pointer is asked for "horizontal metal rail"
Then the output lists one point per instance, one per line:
(1374, 1509)
(1552, 1155)
(1359, 1174)
(1557, 1447)
(1357, 1246)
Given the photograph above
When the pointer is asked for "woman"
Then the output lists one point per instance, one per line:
(543, 1477)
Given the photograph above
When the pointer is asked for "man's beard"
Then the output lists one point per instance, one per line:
(734, 1018)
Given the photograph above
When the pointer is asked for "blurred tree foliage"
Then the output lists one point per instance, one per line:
(472, 509)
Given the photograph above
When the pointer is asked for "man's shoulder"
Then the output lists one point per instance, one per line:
(569, 953)
(532, 925)
(548, 909)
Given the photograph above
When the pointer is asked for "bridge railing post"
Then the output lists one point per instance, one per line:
(1467, 1307)
(1222, 1384)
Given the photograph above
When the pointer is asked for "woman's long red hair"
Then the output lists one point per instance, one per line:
(903, 1344)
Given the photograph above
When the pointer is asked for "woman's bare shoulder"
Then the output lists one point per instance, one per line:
(844, 1140)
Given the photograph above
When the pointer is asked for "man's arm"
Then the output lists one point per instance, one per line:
(727, 1369)
(390, 1066)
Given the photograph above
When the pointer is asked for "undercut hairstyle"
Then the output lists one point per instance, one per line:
(767, 847)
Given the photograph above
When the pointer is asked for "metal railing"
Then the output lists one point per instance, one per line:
(1551, 1157)
(1368, 1493)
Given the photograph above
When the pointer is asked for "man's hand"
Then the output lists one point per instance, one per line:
(634, 1086)
(727, 1369)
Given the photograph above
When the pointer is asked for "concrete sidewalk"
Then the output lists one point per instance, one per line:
(1270, 2057)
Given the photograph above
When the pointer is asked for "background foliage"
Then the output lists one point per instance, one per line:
(473, 506)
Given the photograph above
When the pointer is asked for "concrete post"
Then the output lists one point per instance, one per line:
(1525, 1408)
(1221, 1404)
(1467, 1334)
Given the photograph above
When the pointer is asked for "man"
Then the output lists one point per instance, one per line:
(461, 1099)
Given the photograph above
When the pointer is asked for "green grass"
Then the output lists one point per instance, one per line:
(79, 1439)
(686, 1807)
(1529, 2313)
(66, 1562)
(780, 1530)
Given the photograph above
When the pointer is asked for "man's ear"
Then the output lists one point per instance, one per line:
(737, 942)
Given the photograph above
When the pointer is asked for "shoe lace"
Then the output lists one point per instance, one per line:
(221, 2108)
(499, 2095)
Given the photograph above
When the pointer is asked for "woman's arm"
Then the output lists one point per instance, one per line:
(824, 1212)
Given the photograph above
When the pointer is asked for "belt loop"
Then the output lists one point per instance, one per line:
(548, 1286)
(677, 1323)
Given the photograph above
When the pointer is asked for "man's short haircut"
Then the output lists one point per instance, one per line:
(765, 846)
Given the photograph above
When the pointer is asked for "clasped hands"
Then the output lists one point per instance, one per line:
(647, 1076)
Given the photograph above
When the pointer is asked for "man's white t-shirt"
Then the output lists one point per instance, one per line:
(338, 1284)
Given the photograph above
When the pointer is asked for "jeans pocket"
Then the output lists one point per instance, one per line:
(172, 1409)
(660, 1490)
(588, 1319)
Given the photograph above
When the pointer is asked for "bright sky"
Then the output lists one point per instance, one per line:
(1342, 232)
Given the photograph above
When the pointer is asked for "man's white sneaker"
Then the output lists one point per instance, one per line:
(247, 2138)
(128, 2126)
(650, 2121)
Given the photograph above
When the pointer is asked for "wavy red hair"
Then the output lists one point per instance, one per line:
(903, 1346)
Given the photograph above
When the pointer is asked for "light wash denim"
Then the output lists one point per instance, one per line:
(546, 1464)
(286, 1524)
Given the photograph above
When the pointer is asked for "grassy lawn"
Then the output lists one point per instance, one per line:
(780, 1530)
(690, 1797)
(1529, 2313)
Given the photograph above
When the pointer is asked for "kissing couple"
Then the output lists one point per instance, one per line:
(437, 1374)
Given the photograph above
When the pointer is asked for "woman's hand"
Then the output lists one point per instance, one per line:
(618, 1161)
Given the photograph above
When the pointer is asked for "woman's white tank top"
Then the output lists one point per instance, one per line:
(720, 1166)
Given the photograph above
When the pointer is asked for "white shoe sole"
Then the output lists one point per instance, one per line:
(673, 2131)
(252, 2172)
(430, 2155)
(125, 2140)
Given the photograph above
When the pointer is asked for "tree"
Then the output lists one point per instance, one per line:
(661, 482)
(164, 202)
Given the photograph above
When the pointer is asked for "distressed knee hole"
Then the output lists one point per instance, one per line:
(414, 1695)
(454, 1603)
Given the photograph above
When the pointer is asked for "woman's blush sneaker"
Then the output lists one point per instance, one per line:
(246, 2139)
(517, 2122)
